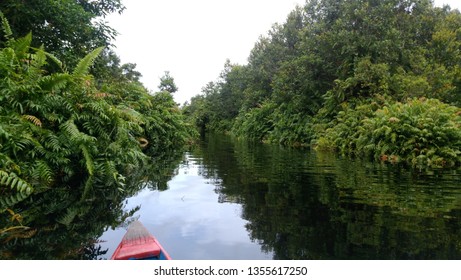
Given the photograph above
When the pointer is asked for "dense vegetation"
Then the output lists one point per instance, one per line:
(76, 135)
(378, 78)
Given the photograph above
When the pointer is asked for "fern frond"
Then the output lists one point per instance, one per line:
(101, 95)
(24, 232)
(51, 57)
(75, 134)
(39, 58)
(42, 172)
(33, 120)
(88, 160)
(84, 65)
(52, 142)
(11, 200)
(6, 27)
(22, 45)
(55, 81)
(98, 109)
(69, 217)
(87, 188)
(13, 229)
(130, 113)
(12, 181)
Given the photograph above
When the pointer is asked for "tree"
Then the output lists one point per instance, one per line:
(69, 29)
(330, 55)
(167, 83)
(65, 135)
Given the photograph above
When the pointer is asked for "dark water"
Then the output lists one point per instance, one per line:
(237, 200)
(227, 199)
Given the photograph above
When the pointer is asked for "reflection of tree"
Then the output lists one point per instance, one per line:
(304, 205)
(62, 225)
(161, 169)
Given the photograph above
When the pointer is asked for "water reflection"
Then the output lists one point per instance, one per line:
(189, 219)
(64, 224)
(238, 200)
(305, 205)
(228, 199)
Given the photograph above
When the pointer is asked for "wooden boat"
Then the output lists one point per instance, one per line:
(139, 244)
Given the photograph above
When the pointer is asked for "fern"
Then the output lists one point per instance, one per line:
(51, 57)
(54, 82)
(55, 129)
(88, 186)
(88, 160)
(12, 199)
(42, 172)
(52, 142)
(38, 61)
(6, 27)
(21, 46)
(69, 217)
(74, 133)
(84, 65)
(421, 132)
(12, 181)
(33, 120)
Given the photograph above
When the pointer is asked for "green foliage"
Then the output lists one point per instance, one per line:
(73, 144)
(167, 83)
(160, 124)
(256, 123)
(14, 182)
(340, 133)
(273, 124)
(6, 27)
(291, 128)
(69, 29)
(421, 132)
(302, 204)
(62, 136)
(331, 64)
(84, 65)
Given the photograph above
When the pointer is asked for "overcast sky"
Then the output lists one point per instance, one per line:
(193, 39)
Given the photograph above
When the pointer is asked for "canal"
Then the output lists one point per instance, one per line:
(230, 199)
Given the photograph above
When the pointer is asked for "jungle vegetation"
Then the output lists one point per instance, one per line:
(378, 79)
(77, 129)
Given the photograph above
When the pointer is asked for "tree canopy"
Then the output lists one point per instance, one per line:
(69, 29)
(329, 58)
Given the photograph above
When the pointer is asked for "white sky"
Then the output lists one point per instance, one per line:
(193, 39)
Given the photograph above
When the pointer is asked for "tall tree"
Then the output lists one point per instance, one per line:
(68, 28)
(331, 54)
(167, 83)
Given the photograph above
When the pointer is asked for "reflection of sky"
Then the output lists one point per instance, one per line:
(190, 223)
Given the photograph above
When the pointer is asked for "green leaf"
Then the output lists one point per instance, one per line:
(84, 65)
(6, 27)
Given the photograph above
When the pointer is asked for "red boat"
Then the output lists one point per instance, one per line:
(139, 244)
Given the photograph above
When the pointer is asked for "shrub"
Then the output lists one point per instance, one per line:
(421, 132)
